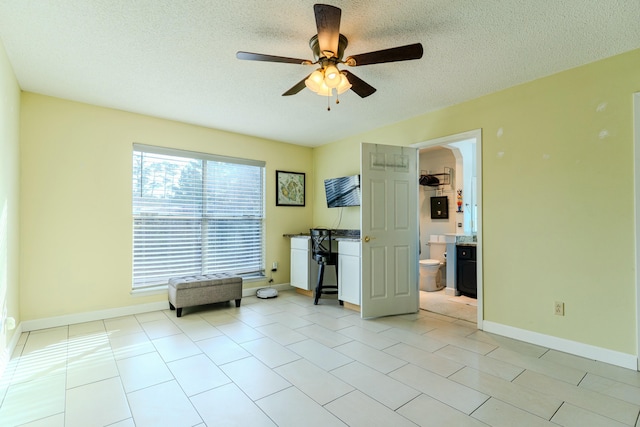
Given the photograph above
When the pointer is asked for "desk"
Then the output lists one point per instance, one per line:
(335, 234)
(304, 269)
(349, 270)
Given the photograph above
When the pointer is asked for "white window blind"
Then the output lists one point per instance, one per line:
(195, 213)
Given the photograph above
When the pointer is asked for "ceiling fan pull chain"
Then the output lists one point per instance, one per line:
(329, 100)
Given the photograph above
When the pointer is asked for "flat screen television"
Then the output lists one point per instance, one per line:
(343, 191)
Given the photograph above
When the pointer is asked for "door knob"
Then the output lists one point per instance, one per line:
(367, 239)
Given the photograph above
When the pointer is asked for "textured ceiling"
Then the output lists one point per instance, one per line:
(175, 59)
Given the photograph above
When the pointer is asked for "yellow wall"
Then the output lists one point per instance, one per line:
(331, 161)
(76, 221)
(558, 198)
(9, 199)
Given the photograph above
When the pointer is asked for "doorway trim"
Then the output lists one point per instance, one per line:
(445, 140)
(636, 202)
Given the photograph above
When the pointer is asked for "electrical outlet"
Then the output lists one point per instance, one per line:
(274, 266)
(558, 308)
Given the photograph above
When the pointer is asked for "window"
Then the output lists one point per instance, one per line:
(195, 213)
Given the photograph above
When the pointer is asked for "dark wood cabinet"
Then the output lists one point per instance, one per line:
(466, 271)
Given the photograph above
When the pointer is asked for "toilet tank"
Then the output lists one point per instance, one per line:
(437, 250)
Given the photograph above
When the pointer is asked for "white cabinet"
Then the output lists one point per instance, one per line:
(300, 262)
(349, 271)
(304, 269)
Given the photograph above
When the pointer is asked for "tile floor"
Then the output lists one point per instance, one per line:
(287, 362)
(461, 307)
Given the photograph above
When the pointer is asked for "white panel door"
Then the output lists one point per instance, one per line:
(389, 228)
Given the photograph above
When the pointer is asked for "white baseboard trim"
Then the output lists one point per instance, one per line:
(587, 351)
(90, 316)
(70, 319)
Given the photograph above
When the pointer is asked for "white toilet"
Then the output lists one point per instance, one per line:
(433, 270)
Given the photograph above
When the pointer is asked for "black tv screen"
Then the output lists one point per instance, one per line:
(343, 191)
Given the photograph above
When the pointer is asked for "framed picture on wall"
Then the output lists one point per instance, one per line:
(289, 188)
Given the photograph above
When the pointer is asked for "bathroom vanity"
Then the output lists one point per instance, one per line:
(466, 270)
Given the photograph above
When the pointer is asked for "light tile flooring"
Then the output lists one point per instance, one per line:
(287, 362)
(452, 306)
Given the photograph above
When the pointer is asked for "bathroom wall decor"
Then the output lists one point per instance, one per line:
(436, 179)
(439, 207)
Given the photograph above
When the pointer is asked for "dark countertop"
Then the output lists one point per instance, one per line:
(353, 234)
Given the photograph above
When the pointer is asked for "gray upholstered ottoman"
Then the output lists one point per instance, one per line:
(207, 289)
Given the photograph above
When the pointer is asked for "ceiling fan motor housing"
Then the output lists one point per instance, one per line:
(315, 48)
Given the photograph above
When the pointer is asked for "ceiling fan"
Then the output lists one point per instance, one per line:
(328, 47)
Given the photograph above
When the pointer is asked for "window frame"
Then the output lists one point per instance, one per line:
(203, 216)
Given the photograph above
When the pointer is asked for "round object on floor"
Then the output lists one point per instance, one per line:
(265, 293)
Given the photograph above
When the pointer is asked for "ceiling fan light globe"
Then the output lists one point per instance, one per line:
(332, 76)
(324, 90)
(315, 81)
(344, 85)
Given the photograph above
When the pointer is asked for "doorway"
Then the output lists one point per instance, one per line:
(459, 156)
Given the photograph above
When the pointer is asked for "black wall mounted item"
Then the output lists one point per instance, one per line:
(440, 207)
(343, 191)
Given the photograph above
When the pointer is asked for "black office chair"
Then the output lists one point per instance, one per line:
(324, 255)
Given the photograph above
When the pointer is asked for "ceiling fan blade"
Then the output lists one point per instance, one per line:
(248, 56)
(297, 88)
(359, 86)
(328, 24)
(400, 53)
